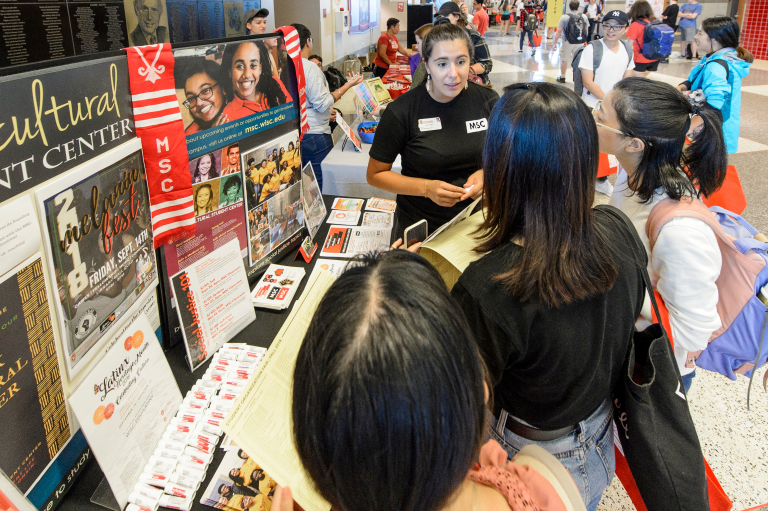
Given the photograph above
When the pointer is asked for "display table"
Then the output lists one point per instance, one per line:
(394, 79)
(344, 172)
(259, 333)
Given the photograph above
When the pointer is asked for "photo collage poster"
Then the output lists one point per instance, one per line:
(314, 207)
(272, 179)
(239, 483)
(98, 233)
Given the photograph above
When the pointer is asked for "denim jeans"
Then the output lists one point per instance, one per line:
(586, 452)
(688, 380)
(314, 149)
(528, 33)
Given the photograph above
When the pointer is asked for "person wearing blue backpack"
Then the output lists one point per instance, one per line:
(640, 15)
(719, 74)
(645, 123)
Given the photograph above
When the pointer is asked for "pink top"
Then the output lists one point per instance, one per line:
(523, 487)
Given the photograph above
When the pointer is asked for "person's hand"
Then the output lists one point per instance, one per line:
(682, 87)
(475, 186)
(333, 115)
(443, 194)
(398, 245)
(354, 80)
(282, 500)
(223, 119)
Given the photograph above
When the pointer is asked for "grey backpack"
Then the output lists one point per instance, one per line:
(597, 57)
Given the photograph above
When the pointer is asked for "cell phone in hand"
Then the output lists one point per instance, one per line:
(415, 233)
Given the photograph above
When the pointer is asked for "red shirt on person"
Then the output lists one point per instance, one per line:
(239, 108)
(392, 46)
(636, 32)
(481, 21)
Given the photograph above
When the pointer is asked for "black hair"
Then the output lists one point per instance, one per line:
(230, 182)
(725, 30)
(304, 35)
(391, 22)
(211, 173)
(251, 161)
(388, 385)
(263, 161)
(316, 57)
(574, 5)
(545, 197)
(229, 149)
(190, 66)
(445, 32)
(660, 115)
(267, 85)
(481, 2)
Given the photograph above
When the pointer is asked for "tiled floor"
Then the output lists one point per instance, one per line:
(735, 441)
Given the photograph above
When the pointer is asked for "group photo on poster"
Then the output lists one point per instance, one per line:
(239, 483)
(272, 184)
(217, 85)
(97, 229)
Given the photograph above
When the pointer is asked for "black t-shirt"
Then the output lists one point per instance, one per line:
(671, 14)
(451, 153)
(552, 367)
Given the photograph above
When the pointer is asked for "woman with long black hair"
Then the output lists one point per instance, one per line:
(645, 123)
(554, 299)
(248, 81)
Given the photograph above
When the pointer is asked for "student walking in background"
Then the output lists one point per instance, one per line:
(669, 17)
(640, 15)
(720, 72)
(480, 19)
(574, 30)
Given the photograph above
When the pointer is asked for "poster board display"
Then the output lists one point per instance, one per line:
(125, 402)
(42, 140)
(213, 300)
(31, 393)
(351, 135)
(96, 231)
(314, 207)
(364, 15)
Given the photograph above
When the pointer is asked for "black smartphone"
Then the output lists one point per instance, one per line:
(415, 233)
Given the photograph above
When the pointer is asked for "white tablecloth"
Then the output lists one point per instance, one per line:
(344, 172)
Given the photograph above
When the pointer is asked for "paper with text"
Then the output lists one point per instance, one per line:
(260, 422)
(453, 249)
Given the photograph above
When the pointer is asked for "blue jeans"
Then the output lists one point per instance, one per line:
(687, 380)
(528, 33)
(586, 452)
(314, 149)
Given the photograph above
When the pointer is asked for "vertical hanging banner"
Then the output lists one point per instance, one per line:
(293, 47)
(159, 126)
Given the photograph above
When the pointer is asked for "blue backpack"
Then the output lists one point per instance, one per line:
(658, 38)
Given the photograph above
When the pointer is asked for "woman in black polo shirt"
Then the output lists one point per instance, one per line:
(553, 301)
(438, 128)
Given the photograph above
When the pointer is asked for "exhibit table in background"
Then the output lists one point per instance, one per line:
(259, 333)
(344, 172)
(395, 78)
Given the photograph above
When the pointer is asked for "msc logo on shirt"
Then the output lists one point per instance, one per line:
(478, 125)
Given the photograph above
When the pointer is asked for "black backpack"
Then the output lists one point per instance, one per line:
(335, 78)
(597, 57)
(530, 22)
(577, 30)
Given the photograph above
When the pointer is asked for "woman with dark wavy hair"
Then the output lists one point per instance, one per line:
(248, 81)
(553, 301)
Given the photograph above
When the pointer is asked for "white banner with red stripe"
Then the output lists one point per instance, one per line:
(159, 126)
(293, 47)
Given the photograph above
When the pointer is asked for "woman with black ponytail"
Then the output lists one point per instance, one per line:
(645, 124)
(248, 82)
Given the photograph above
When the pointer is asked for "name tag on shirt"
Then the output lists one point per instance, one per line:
(478, 125)
(432, 124)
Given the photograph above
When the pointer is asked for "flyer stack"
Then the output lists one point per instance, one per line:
(277, 287)
(179, 463)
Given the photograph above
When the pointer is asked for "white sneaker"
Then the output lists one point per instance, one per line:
(604, 187)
